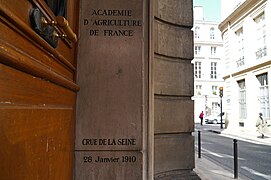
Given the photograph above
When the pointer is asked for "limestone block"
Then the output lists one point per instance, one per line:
(173, 114)
(173, 152)
(173, 41)
(175, 11)
(173, 77)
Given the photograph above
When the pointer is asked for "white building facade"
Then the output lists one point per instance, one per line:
(246, 35)
(207, 65)
(228, 6)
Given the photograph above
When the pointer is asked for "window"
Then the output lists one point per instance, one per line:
(213, 51)
(240, 47)
(242, 100)
(213, 70)
(212, 33)
(197, 69)
(215, 108)
(197, 50)
(263, 96)
(197, 29)
(198, 89)
(214, 90)
(261, 36)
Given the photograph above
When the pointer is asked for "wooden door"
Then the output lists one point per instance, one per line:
(37, 94)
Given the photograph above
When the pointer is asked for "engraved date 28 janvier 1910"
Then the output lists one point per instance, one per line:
(99, 159)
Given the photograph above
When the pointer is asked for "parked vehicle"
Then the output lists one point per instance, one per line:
(215, 119)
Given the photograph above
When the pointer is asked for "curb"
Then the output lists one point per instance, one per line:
(214, 131)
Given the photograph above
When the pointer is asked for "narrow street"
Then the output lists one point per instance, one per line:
(254, 160)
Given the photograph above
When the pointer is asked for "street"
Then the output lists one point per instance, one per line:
(254, 160)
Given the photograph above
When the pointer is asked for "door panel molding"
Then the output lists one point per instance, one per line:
(19, 60)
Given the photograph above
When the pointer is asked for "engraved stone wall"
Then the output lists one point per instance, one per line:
(112, 100)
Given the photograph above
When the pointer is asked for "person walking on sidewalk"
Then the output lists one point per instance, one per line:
(261, 124)
(201, 117)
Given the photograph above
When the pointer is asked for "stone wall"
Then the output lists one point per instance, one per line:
(173, 89)
(112, 104)
(134, 110)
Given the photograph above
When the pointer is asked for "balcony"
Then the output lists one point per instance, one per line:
(240, 62)
(262, 52)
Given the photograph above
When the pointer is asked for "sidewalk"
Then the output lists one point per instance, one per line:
(208, 170)
(248, 136)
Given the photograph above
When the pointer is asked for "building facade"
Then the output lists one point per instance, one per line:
(246, 36)
(207, 65)
(227, 7)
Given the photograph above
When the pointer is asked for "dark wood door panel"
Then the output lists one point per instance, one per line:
(37, 96)
(36, 143)
(36, 127)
